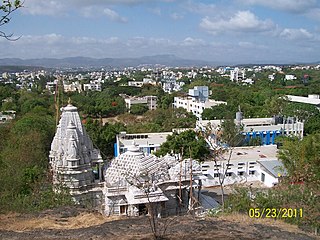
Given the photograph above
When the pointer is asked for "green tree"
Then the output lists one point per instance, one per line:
(181, 143)
(301, 159)
(139, 109)
(104, 137)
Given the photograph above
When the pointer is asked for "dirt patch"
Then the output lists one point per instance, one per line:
(70, 224)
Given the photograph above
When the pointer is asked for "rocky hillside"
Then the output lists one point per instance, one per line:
(70, 223)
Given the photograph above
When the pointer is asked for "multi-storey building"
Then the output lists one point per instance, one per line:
(245, 164)
(150, 101)
(196, 101)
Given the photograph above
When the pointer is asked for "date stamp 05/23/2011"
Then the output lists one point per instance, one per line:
(275, 213)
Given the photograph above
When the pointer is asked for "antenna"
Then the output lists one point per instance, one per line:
(57, 100)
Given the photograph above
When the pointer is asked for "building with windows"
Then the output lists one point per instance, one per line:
(150, 101)
(146, 142)
(196, 101)
(264, 129)
(6, 116)
(134, 180)
(126, 186)
(246, 164)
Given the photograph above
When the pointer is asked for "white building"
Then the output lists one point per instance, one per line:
(129, 184)
(147, 142)
(135, 83)
(197, 101)
(237, 75)
(134, 180)
(313, 99)
(150, 101)
(290, 77)
(74, 161)
(92, 86)
(6, 116)
(247, 164)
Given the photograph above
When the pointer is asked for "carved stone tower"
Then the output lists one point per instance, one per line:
(75, 163)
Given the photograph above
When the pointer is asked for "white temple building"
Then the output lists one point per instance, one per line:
(134, 180)
(75, 163)
(129, 184)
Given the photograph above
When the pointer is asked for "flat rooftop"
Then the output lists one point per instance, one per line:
(256, 153)
(143, 139)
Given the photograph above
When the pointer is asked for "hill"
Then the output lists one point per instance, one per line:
(70, 223)
(86, 62)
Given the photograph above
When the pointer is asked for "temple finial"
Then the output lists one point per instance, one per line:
(69, 101)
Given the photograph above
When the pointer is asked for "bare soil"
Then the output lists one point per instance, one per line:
(77, 224)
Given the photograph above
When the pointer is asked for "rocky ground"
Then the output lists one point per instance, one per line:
(72, 223)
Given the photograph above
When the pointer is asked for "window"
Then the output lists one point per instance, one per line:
(263, 177)
(229, 174)
(241, 173)
(229, 164)
(216, 175)
(252, 172)
(241, 164)
(123, 209)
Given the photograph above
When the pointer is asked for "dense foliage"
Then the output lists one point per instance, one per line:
(187, 143)
(24, 148)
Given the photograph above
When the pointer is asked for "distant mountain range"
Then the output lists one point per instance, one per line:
(86, 62)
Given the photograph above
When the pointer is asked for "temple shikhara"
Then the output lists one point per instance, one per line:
(75, 163)
(127, 184)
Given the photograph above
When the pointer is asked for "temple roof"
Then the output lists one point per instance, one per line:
(71, 140)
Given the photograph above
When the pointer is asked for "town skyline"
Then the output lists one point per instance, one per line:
(231, 32)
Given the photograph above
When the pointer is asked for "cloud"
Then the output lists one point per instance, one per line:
(242, 21)
(190, 42)
(113, 16)
(43, 7)
(60, 7)
(176, 16)
(295, 6)
(296, 34)
(314, 14)
(200, 8)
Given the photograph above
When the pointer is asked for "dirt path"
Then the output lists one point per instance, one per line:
(69, 224)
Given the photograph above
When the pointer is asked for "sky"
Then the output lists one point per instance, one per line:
(221, 31)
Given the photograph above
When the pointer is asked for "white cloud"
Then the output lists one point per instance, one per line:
(295, 34)
(43, 7)
(176, 16)
(200, 8)
(221, 51)
(242, 21)
(298, 6)
(114, 16)
(191, 42)
(59, 7)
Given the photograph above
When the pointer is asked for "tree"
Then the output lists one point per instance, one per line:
(139, 109)
(7, 7)
(221, 150)
(181, 143)
(301, 159)
(103, 137)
